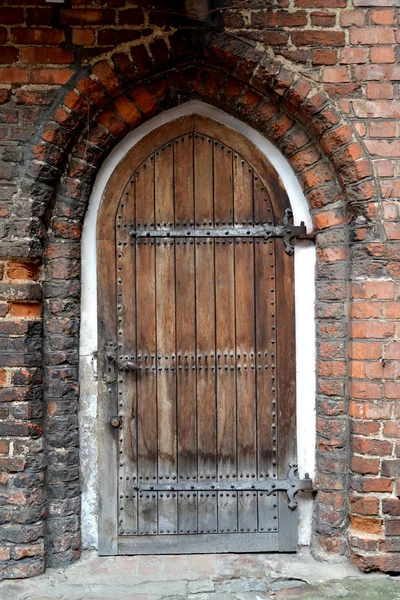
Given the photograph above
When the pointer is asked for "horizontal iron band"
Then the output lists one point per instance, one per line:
(258, 231)
(267, 485)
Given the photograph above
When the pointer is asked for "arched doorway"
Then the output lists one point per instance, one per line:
(196, 347)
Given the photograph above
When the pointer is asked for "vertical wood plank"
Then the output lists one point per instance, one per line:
(108, 405)
(268, 512)
(225, 338)
(203, 180)
(265, 317)
(127, 396)
(286, 382)
(164, 187)
(264, 263)
(185, 332)
(205, 308)
(147, 513)
(264, 266)
(187, 512)
(227, 512)
(243, 191)
(207, 512)
(167, 513)
(183, 180)
(205, 316)
(146, 349)
(245, 323)
(166, 333)
(206, 380)
(245, 344)
(248, 512)
(285, 357)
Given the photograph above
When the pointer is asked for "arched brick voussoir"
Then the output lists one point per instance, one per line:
(142, 102)
(109, 78)
(223, 71)
(135, 106)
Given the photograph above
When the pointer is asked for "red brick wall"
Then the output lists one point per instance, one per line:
(346, 50)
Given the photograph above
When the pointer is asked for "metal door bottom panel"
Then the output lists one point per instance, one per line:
(200, 544)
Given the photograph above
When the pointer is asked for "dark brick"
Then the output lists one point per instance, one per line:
(391, 468)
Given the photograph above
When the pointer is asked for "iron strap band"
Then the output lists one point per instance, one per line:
(291, 486)
(287, 231)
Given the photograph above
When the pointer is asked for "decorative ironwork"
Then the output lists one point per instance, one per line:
(291, 486)
(287, 231)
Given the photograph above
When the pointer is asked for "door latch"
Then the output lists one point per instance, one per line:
(112, 363)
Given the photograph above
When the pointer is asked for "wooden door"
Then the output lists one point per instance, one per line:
(196, 348)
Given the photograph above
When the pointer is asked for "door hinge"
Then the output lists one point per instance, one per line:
(287, 231)
(292, 485)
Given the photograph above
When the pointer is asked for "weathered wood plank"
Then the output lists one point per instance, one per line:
(127, 393)
(107, 397)
(225, 337)
(286, 388)
(164, 186)
(227, 512)
(187, 512)
(146, 350)
(167, 513)
(185, 294)
(186, 377)
(245, 344)
(265, 375)
(206, 381)
(146, 343)
(203, 180)
(207, 512)
(248, 511)
(183, 180)
(166, 332)
(268, 512)
(205, 307)
(245, 323)
(147, 514)
(264, 268)
(108, 404)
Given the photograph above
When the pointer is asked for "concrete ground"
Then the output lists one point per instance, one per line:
(203, 577)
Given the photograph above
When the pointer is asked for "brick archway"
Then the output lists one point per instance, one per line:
(335, 174)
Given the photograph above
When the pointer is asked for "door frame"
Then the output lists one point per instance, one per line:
(306, 265)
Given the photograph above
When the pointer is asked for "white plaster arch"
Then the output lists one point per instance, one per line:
(305, 324)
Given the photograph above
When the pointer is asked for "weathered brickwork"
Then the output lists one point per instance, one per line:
(318, 78)
(22, 497)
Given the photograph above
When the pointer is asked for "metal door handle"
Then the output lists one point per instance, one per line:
(115, 422)
(128, 365)
(123, 365)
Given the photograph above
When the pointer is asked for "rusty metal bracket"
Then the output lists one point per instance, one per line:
(291, 231)
(291, 486)
(287, 231)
